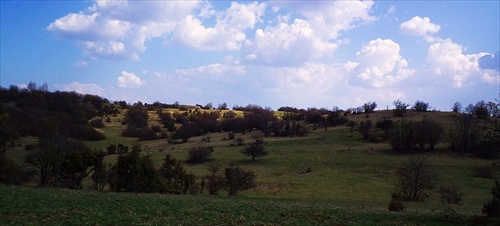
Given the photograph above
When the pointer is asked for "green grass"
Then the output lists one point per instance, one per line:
(350, 183)
(33, 206)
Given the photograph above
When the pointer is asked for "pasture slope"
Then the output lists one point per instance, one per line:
(349, 183)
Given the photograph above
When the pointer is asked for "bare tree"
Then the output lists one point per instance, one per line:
(421, 106)
(457, 107)
(416, 179)
(465, 133)
(400, 108)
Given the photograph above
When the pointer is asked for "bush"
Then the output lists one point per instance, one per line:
(156, 128)
(416, 180)
(396, 204)
(97, 123)
(135, 173)
(238, 179)
(11, 172)
(492, 208)
(400, 108)
(198, 155)
(215, 181)
(450, 195)
(86, 133)
(175, 176)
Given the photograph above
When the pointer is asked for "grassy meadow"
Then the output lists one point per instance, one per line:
(350, 183)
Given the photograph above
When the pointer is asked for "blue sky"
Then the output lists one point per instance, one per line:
(272, 53)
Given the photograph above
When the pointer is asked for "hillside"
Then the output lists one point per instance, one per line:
(330, 176)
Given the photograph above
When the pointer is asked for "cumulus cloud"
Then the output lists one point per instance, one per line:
(313, 35)
(228, 32)
(118, 30)
(447, 60)
(380, 64)
(129, 80)
(89, 88)
(419, 26)
(286, 45)
(328, 18)
(212, 69)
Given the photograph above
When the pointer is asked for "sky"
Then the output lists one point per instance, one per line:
(301, 54)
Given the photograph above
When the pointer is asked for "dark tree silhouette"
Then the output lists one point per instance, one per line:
(238, 179)
(416, 179)
(400, 108)
(255, 149)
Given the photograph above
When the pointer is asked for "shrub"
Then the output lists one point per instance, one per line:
(156, 128)
(492, 208)
(175, 176)
(450, 195)
(111, 149)
(255, 149)
(11, 172)
(396, 204)
(400, 108)
(97, 122)
(136, 173)
(238, 142)
(216, 182)
(238, 179)
(415, 180)
(86, 133)
(198, 155)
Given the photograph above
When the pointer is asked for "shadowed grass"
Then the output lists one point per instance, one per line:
(30, 206)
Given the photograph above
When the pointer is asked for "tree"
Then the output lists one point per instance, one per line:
(365, 128)
(63, 163)
(420, 106)
(492, 208)
(369, 107)
(481, 110)
(400, 108)
(101, 177)
(385, 124)
(11, 172)
(177, 180)
(216, 182)
(199, 154)
(238, 179)
(134, 172)
(465, 132)
(427, 133)
(137, 116)
(402, 136)
(457, 107)
(351, 124)
(255, 149)
(416, 179)
(223, 106)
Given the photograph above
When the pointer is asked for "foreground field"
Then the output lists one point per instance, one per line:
(33, 206)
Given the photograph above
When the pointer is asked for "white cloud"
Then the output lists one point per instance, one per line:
(287, 45)
(129, 80)
(419, 26)
(328, 18)
(118, 29)
(448, 62)
(89, 88)
(380, 64)
(228, 32)
(212, 69)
